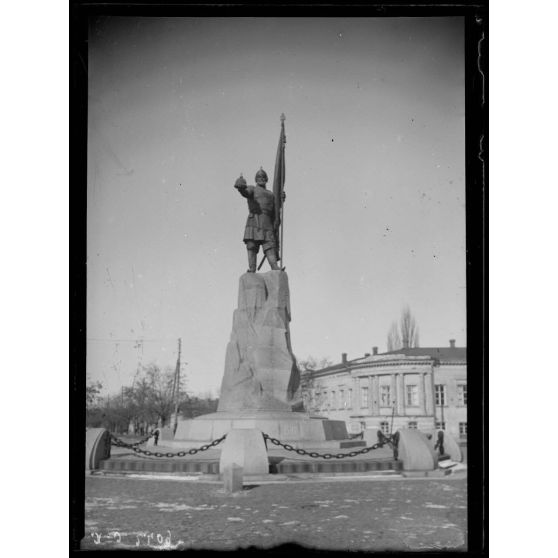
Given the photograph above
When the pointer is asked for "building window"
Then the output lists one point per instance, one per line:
(412, 423)
(384, 427)
(350, 399)
(412, 396)
(440, 392)
(341, 398)
(462, 394)
(440, 425)
(385, 396)
(312, 399)
(364, 397)
(333, 400)
(463, 429)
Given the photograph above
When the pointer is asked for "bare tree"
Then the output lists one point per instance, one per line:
(160, 394)
(405, 334)
(313, 363)
(409, 329)
(92, 397)
(311, 389)
(393, 339)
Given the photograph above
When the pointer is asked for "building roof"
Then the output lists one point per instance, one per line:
(444, 354)
(439, 353)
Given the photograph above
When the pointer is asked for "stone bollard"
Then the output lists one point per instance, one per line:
(245, 448)
(415, 451)
(232, 478)
(97, 447)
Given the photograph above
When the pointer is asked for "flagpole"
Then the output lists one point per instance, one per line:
(282, 204)
(279, 200)
(282, 237)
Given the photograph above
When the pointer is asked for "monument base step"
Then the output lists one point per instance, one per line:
(178, 445)
(285, 466)
(285, 426)
(336, 466)
(160, 466)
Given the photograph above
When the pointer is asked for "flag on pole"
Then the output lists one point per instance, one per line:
(279, 184)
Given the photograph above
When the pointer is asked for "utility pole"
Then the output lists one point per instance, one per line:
(176, 387)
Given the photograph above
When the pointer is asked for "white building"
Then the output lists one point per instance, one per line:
(422, 387)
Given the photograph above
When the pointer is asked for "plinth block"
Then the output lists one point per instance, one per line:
(244, 448)
(285, 426)
(232, 478)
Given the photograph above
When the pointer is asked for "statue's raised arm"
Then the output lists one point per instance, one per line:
(242, 186)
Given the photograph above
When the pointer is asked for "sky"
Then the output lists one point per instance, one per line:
(375, 181)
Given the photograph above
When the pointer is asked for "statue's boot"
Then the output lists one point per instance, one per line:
(272, 258)
(252, 261)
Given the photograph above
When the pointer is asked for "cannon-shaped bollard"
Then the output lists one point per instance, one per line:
(415, 451)
(97, 447)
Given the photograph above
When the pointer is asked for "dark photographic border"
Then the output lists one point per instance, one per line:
(476, 153)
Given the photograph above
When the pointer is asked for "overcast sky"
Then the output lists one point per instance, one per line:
(375, 210)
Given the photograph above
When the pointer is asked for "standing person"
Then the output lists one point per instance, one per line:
(259, 229)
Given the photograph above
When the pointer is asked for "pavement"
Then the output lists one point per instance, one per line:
(360, 513)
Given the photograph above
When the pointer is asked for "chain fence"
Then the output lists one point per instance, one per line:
(134, 447)
(383, 440)
(143, 440)
(392, 441)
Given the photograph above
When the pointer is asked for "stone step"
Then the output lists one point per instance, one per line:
(286, 466)
(161, 465)
(184, 445)
(336, 466)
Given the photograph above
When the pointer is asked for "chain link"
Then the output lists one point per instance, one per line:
(392, 441)
(119, 443)
(122, 444)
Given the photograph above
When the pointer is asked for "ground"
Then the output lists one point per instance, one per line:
(349, 514)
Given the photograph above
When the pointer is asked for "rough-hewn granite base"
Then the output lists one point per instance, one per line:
(260, 368)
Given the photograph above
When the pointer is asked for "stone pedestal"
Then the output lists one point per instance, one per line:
(260, 387)
(286, 426)
(260, 368)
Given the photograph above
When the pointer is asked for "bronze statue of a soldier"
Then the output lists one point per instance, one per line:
(260, 225)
